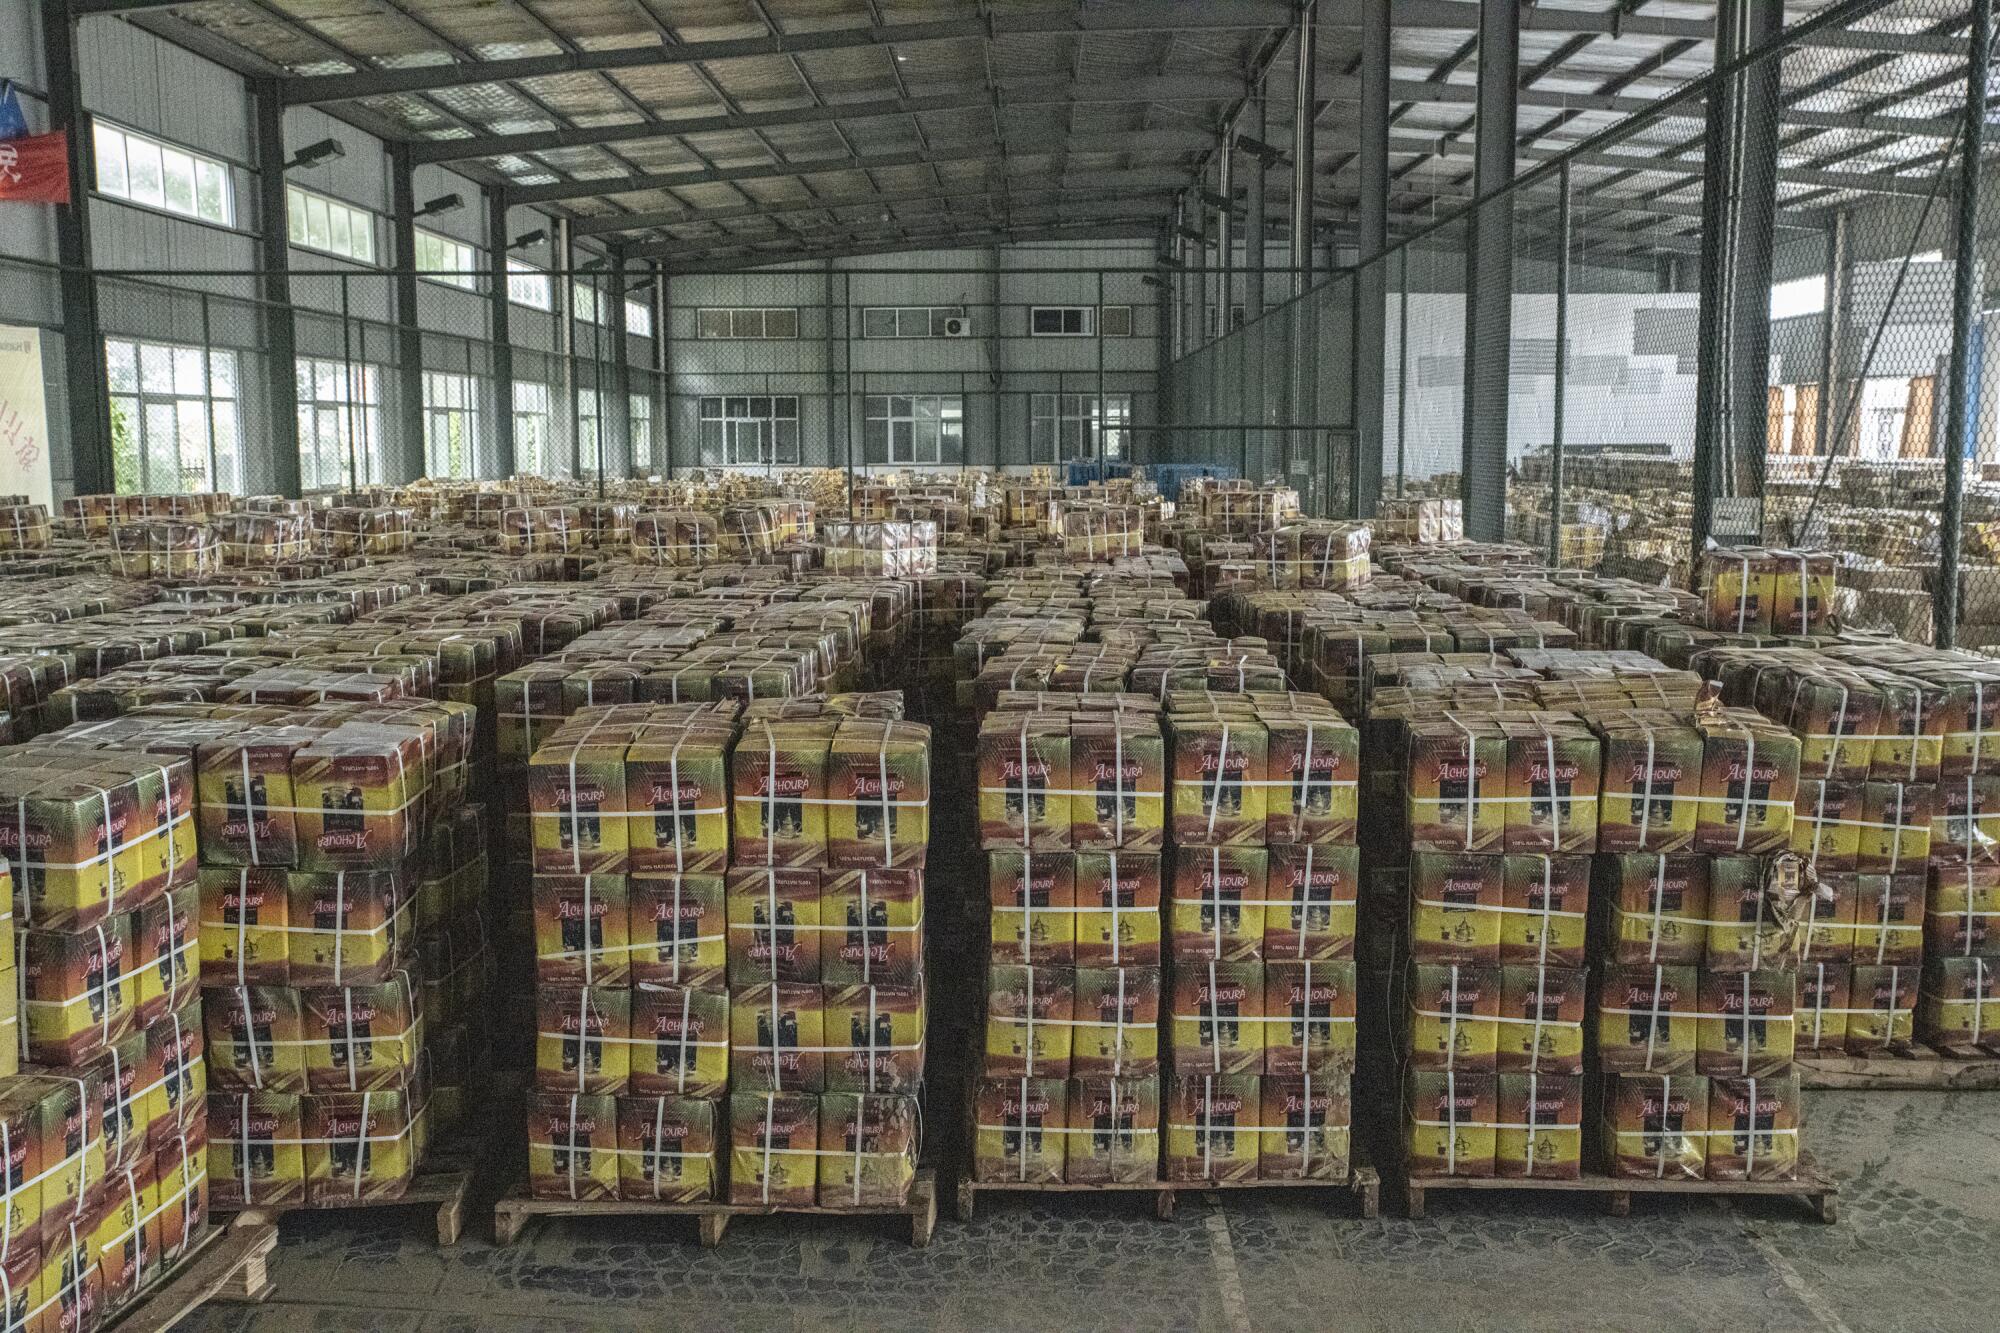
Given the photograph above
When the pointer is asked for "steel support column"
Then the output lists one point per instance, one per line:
(562, 280)
(663, 346)
(618, 453)
(1253, 209)
(412, 461)
(1305, 101)
(1965, 326)
(1198, 307)
(1489, 276)
(1564, 204)
(92, 467)
(1225, 245)
(499, 307)
(1739, 206)
(1371, 290)
(1837, 364)
(280, 326)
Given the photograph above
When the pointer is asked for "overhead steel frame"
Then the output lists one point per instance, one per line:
(414, 462)
(1489, 276)
(1299, 407)
(499, 316)
(1371, 289)
(89, 389)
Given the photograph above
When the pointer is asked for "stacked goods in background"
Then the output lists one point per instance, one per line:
(1557, 810)
(724, 866)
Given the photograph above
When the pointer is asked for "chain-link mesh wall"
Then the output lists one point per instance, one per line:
(1732, 318)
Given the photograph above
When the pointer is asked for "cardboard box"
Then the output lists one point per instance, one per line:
(1646, 1019)
(67, 1291)
(583, 1037)
(1655, 1126)
(1118, 768)
(1540, 1130)
(1034, 907)
(1215, 907)
(1453, 1016)
(1541, 1020)
(1828, 910)
(1028, 1013)
(774, 925)
(1214, 1127)
(1456, 784)
(667, 1149)
(246, 799)
(117, 1073)
(868, 1148)
(21, 1181)
(359, 789)
(1752, 904)
(1960, 906)
(1217, 770)
(122, 1233)
(582, 930)
(68, 1129)
(1826, 824)
(256, 1148)
(346, 928)
(874, 1038)
(182, 1165)
(1020, 1130)
(1657, 905)
(1958, 1001)
(1118, 920)
(678, 930)
(1115, 1125)
(677, 795)
(1450, 1122)
(680, 1042)
(1455, 907)
(773, 1148)
(363, 1145)
(1896, 826)
(1820, 1014)
(1749, 783)
(80, 991)
(1314, 765)
(1888, 920)
(779, 792)
(175, 1083)
(1545, 909)
(1746, 1026)
(1553, 763)
(1217, 1018)
(1307, 1128)
(1753, 1127)
(360, 1038)
(1311, 893)
(1651, 788)
(872, 927)
(573, 1146)
(777, 1038)
(1309, 1013)
(577, 799)
(1882, 1008)
(255, 1039)
(1024, 768)
(879, 790)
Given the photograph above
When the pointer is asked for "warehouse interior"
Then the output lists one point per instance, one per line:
(1618, 281)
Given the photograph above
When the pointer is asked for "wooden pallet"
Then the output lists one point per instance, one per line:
(1813, 1187)
(443, 1188)
(512, 1213)
(228, 1265)
(1940, 1068)
(1363, 1182)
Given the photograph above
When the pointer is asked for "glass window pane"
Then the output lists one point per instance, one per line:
(746, 323)
(211, 192)
(338, 235)
(318, 229)
(110, 146)
(156, 368)
(177, 171)
(781, 323)
(121, 361)
(878, 323)
(760, 407)
(786, 407)
(711, 323)
(142, 159)
(899, 407)
(362, 227)
(901, 437)
(295, 217)
(1046, 321)
(187, 370)
(222, 375)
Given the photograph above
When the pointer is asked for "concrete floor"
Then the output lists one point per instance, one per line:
(1914, 1249)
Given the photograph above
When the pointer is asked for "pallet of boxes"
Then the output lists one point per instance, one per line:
(728, 902)
(104, 1209)
(1599, 932)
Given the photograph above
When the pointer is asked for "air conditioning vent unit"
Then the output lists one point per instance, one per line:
(957, 326)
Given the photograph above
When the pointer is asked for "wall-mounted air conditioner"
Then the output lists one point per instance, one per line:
(957, 326)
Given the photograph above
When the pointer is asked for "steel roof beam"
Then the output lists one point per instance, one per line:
(1044, 92)
(1864, 182)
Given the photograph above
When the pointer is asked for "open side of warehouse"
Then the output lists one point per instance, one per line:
(1251, 664)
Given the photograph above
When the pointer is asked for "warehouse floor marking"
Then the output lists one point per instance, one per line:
(1227, 1278)
(1794, 1280)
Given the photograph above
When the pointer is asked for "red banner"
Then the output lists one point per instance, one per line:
(35, 169)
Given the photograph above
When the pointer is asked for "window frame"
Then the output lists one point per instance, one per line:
(732, 317)
(943, 428)
(1086, 319)
(440, 416)
(147, 407)
(302, 238)
(102, 134)
(924, 321)
(640, 409)
(534, 427)
(519, 273)
(720, 410)
(351, 413)
(1078, 415)
(462, 273)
